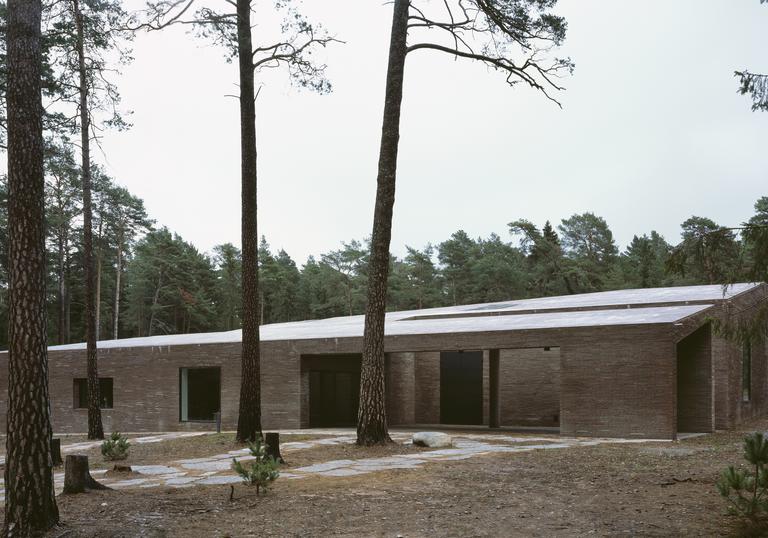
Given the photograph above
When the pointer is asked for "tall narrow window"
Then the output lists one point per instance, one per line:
(80, 388)
(746, 372)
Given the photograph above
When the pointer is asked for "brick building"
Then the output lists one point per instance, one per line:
(630, 363)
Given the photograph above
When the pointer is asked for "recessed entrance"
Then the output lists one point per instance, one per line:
(200, 393)
(334, 390)
(694, 382)
(461, 387)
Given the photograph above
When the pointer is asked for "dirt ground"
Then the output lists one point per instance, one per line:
(183, 448)
(650, 489)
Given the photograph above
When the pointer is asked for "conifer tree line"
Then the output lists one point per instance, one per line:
(150, 281)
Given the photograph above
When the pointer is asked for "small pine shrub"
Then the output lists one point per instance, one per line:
(746, 489)
(260, 471)
(116, 447)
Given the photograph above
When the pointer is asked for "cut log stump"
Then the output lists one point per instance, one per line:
(56, 452)
(272, 441)
(77, 477)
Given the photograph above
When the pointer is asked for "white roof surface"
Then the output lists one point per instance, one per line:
(621, 307)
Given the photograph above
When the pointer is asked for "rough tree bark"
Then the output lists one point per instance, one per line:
(99, 261)
(62, 310)
(118, 275)
(30, 502)
(249, 415)
(56, 452)
(272, 442)
(68, 317)
(95, 428)
(97, 294)
(155, 300)
(77, 475)
(372, 415)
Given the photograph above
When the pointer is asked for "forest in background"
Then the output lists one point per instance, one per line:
(151, 281)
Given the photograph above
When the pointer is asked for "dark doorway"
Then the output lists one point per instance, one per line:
(200, 393)
(461, 387)
(334, 391)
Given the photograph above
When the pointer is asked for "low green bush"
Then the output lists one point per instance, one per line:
(115, 447)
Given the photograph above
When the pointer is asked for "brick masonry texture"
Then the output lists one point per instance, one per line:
(648, 380)
(695, 402)
(530, 387)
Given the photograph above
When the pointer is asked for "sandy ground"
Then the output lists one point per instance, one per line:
(174, 449)
(650, 489)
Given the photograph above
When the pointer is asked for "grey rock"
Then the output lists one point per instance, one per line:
(432, 439)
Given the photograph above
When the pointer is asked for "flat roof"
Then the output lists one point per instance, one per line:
(609, 308)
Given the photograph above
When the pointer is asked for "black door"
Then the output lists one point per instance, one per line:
(333, 398)
(461, 387)
(203, 393)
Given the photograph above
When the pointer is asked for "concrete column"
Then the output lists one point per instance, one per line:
(494, 407)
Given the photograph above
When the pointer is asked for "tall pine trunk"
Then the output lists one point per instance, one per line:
(99, 256)
(30, 502)
(68, 316)
(118, 271)
(372, 415)
(97, 294)
(249, 414)
(62, 290)
(95, 429)
(155, 301)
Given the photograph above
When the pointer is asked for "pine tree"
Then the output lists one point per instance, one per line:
(499, 26)
(30, 502)
(590, 249)
(457, 256)
(229, 269)
(297, 40)
(708, 253)
(86, 32)
(423, 279)
(547, 266)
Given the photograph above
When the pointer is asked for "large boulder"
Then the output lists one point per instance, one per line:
(432, 439)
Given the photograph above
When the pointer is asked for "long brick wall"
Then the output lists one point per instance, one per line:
(600, 381)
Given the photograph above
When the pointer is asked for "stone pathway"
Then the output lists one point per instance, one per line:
(58, 478)
(217, 469)
(87, 445)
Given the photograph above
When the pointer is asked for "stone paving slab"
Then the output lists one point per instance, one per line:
(327, 466)
(341, 472)
(217, 469)
(153, 469)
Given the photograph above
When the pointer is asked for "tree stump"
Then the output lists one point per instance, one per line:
(77, 477)
(56, 452)
(272, 442)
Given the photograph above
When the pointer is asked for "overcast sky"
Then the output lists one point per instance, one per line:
(651, 132)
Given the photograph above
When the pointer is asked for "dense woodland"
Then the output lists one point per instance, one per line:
(151, 281)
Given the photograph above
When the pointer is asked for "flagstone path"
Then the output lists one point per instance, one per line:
(217, 469)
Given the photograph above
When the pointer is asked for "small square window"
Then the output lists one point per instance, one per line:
(80, 386)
